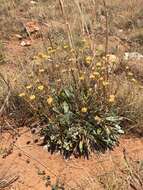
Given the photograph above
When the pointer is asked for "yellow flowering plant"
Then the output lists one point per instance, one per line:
(74, 103)
(74, 115)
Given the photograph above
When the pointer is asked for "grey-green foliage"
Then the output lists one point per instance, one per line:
(72, 132)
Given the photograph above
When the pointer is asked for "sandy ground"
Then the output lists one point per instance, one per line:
(28, 160)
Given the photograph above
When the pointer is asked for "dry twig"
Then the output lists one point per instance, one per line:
(7, 96)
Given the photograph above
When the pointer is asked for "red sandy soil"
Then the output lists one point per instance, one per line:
(27, 159)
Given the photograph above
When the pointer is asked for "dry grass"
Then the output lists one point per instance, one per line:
(129, 176)
(79, 25)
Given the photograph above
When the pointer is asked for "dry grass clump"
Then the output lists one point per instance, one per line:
(73, 99)
(129, 176)
(6, 182)
(2, 53)
(131, 101)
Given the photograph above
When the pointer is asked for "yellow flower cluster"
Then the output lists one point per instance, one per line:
(32, 97)
(65, 46)
(43, 56)
(41, 70)
(51, 50)
(41, 87)
(112, 98)
(29, 87)
(84, 110)
(22, 94)
(50, 100)
(81, 78)
(94, 75)
(105, 83)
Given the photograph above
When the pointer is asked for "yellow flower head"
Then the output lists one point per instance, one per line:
(134, 80)
(112, 98)
(37, 62)
(88, 60)
(59, 80)
(57, 65)
(72, 50)
(46, 57)
(105, 83)
(112, 58)
(22, 94)
(30, 75)
(52, 51)
(81, 49)
(14, 80)
(29, 87)
(66, 46)
(98, 119)
(40, 55)
(49, 48)
(98, 64)
(32, 97)
(35, 57)
(130, 74)
(81, 78)
(92, 76)
(71, 59)
(41, 87)
(63, 70)
(50, 100)
(83, 40)
(41, 70)
(84, 110)
(101, 78)
(37, 81)
(96, 73)
(93, 68)
(43, 56)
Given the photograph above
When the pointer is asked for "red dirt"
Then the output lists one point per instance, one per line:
(27, 160)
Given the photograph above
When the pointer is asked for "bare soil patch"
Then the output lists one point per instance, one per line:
(28, 160)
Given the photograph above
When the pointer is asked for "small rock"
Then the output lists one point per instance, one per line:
(132, 56)
(45, 147)
(32, 26)
(18, 36)
(25, 43)
(33, 2)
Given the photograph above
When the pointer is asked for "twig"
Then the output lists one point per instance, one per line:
(27, 31)
(12, 128)
(66, 22)
(7, 181)
(36, 160)
(7, 97)
(107, 28)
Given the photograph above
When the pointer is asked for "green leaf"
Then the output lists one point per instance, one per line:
(66, 146)
(68, 93)
(65, 107)
(56, 110)
(99, 131)
(81, 146)
(114, 119)
(119, 129)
